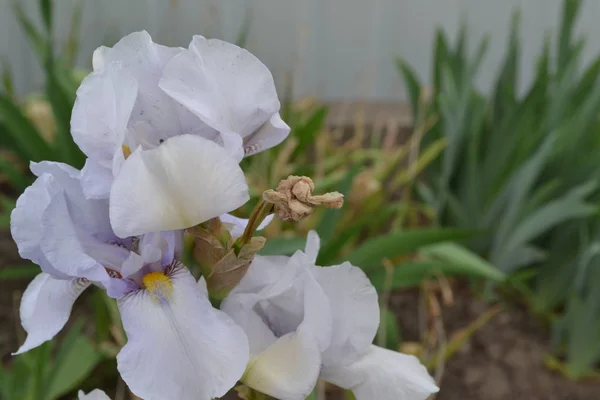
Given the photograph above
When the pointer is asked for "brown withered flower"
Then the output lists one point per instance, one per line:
(293, 199)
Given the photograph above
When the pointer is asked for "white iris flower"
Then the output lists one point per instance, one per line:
(163, 127)
(179, 346)
(306, 322)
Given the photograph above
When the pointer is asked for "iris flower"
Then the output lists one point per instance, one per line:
(156, 121)
(179, 346)
(306, 322)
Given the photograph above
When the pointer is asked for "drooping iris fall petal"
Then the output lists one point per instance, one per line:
(178, 347)
(46, 306)
(383, 374)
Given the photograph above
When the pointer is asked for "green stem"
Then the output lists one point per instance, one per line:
(258, 215)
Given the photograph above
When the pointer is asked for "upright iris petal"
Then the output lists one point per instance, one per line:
(229, 89)
(146, 138)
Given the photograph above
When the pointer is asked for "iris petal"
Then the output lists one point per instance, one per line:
(197, 351)
(46, 306)
(185, 181)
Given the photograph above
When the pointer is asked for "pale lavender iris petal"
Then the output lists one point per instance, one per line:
(185, 181)
(229, 89)
(168, 242)
(46, 306)
(174, 333)
(384, 375)
(279, 295)
(118, 287)
(313, 244)
(96, 180)
(154, 115)
(62, 245)
(95, 394)
(92, 215)
(102, 111)
(355, 311)
(63, 173)
(53, 218)
(174, 248)
(237, 225)
(270, 134)
(26, 219)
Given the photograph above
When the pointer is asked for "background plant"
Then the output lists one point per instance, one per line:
(519, 167)
(39, 128)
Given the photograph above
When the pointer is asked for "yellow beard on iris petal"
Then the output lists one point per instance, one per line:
(159, 286)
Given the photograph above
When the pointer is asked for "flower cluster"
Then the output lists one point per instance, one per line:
(164, 130)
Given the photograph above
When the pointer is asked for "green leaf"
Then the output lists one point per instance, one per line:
(412, 273)
(479, 55)
(75, 360)
(19, 380)
(331, 250)
(372, 252)
(506, 86)
(36, 39)
(72, 46)
(62, 99)
(411, 85)
(282, 246)
(388, 335)
(571, 205)
(332, 216)
(242, 37)
(312, 395)
(583, 326)
(22, 131)
(565, 48)
(101, 316)
(306, 132)
(440, 58)
(7, 79)
(18, 272)
(17, 179)
(463, 261)
(40, 367)
(7, 204)
(6, 383)
(46, 10)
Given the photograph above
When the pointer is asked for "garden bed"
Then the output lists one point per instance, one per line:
(503, 360)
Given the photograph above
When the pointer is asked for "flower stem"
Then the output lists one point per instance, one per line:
(258, 215)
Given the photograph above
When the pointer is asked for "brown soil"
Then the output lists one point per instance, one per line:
(10, 292)
(502, 361)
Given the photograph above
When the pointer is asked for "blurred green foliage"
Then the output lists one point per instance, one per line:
(39, 129)
(51, 370)
(521, 169)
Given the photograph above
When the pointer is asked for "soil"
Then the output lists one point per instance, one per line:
(503, 360)
(10, 292)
